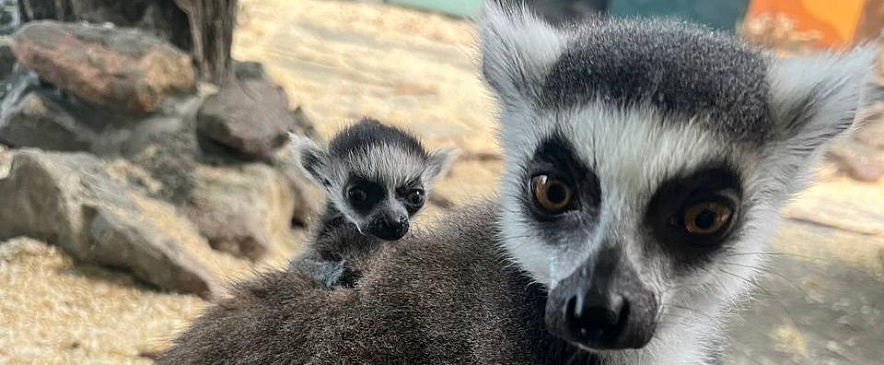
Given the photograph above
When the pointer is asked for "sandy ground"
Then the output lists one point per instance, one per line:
(821, 302)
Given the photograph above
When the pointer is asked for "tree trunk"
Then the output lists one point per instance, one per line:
(202, 27)
(212, 23)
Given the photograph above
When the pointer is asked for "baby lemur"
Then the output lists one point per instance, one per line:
(376, 178)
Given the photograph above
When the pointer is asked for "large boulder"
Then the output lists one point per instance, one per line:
(86, 207)
(247, 210)
(106, 66)
(249, 116)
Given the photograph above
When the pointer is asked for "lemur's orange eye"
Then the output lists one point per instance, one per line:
(551, 194)
(707, 218)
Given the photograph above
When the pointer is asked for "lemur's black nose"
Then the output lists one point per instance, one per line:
(390, 227)
(591, 315)
(602, 305)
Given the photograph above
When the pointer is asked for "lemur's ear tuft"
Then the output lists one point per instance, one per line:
(438, 164)
(814, 99)
(311, 158)
(518, 48)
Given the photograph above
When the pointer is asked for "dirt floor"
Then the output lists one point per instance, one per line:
(821, 302)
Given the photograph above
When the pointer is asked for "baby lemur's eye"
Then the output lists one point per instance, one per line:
(415, 197)
(551, 194)
(356, 195)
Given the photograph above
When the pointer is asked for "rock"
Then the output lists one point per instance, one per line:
(5, 161)
(105, 66)
(247, 209)
(164, 143)
(9, 17)
(7, 58)
(248, 70)
(31, 116)
(860, 161)
(118, 239)
(881, 258)
(41, 116)
(73, 201)
(248, 116)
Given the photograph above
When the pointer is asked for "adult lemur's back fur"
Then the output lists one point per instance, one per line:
(417, 305)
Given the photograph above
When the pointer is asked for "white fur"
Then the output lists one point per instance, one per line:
(513, 57)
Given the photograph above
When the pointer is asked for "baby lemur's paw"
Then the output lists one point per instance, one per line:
(339, 274)
(349, 277)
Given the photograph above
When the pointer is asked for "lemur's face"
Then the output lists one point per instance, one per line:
(647, 163)
(377, 186)
(381, 208)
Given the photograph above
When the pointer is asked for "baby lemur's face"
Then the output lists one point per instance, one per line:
(377, 176)
(380, 207)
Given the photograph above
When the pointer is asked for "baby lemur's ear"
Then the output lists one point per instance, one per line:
(438, 164)
(311, 158)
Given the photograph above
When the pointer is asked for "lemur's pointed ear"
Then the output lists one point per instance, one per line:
(311, 158)
(438, 164)
(814, 99)
(518, 48)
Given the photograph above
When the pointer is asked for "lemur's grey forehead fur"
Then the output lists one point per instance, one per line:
(674, 66)
(373, 151)
(369, 133)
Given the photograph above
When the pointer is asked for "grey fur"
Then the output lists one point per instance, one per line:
(680, 75)
(443, 297)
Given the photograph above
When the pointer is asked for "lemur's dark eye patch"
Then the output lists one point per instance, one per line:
(557, 182)
(362, 194)
(696, 213)
(413, 195)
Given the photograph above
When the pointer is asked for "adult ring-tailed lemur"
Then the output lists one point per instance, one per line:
(646, 164)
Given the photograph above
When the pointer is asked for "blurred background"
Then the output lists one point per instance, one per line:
(143, 163)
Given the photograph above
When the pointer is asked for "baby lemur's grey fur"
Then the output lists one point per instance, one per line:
(376, 179)
(646, 166)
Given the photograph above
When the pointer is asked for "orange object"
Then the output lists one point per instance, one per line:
(821, 23)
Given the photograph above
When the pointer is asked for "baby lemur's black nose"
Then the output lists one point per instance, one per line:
(390, 227)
